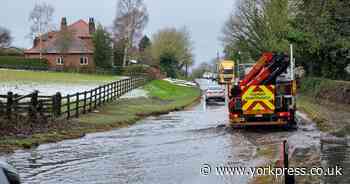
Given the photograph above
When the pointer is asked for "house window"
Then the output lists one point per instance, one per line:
(59, 60)
(84, 60)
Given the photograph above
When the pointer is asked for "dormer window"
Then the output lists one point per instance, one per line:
(59, 60)
(84, 60)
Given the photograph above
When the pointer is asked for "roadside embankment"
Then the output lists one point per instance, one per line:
(327, 102)
(163, 97)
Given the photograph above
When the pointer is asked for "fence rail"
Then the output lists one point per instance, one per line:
(69, 106)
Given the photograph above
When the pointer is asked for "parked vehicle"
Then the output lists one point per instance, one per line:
(215, 93)
(214, 77)
(8, 174)
(226, 72)
(266, 94)
(208, 75)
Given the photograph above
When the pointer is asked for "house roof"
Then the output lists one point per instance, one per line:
(80, 28)
(81, 41)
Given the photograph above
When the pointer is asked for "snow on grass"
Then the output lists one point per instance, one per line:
(49, 83)
(181, 82)
(136, 93)
(22, 88)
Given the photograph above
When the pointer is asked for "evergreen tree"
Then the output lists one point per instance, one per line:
(103, 48)
(144, 43)
(168, 63)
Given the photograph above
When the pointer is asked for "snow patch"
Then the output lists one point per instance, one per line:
(181, 82)
(136, 93)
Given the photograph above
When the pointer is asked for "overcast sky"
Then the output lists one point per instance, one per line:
(204, 18)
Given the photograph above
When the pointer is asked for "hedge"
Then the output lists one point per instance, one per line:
(326, 89)
(14, 62)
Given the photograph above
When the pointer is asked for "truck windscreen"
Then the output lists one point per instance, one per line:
(228, 71)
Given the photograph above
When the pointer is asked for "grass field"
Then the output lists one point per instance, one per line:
(52, 77)
(164, 97)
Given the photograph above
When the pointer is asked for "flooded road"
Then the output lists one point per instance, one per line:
(166, 149)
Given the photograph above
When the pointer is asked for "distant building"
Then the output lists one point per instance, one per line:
(78, 52)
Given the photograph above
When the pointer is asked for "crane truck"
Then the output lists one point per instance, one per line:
(266, 94)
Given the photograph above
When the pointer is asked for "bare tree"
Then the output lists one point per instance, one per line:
(41, 19)
(64, 41)
(5, 37)
(131, 19)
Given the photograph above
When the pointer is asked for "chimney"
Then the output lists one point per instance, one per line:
(64, 23)
(92, 27)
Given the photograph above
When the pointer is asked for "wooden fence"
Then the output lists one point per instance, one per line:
(68, 106)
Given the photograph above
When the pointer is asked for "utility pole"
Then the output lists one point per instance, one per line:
(292, 62)
(217, 61)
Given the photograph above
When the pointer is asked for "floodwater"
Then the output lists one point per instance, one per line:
(333, 156)
(167, 149)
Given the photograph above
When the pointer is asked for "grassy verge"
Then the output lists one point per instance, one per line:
(53, 77)
(329, 117)
(309, 106)
(327, 102)
(163, 97)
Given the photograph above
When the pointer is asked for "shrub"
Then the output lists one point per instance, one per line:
(326, 89)
(138, 69)
(11, 52)
(15, 62)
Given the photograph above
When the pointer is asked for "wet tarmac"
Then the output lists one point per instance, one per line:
(167, 149)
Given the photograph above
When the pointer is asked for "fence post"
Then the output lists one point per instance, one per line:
(77, 105)
(118, 85)
(108, 92)
(122, 82)
(134, 83)
(95, 97)
(126, 84)
(90, 101)
(68, 106)
(56, 104)
(33, 104)
(115, 90)
(99, 95)
(9, 104)
(84, 108)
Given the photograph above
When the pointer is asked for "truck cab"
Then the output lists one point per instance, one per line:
(226, 72)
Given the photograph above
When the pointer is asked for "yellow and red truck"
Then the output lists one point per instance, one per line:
(266, 94)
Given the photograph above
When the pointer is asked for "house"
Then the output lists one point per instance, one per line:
(70, 48)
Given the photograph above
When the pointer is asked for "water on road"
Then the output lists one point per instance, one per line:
(164, 149)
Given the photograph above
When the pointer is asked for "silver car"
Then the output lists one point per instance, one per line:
(8, 174)
(215, 93)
